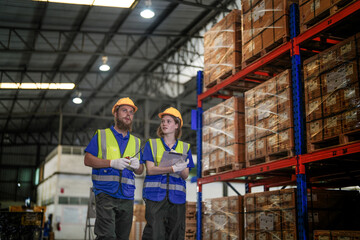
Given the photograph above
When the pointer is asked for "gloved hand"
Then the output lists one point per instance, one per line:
(134, 163)
(120, 163)
(179, 166)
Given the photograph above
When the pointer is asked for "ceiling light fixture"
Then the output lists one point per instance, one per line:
(77, 99)
(147, 12)
(101, 3)
(104, 67)
(38, 86)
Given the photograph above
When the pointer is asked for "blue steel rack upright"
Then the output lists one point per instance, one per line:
(299, 133)
(199, 79)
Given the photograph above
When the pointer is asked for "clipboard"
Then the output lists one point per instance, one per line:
(170, 158)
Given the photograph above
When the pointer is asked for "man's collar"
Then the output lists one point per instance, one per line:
(119, 134)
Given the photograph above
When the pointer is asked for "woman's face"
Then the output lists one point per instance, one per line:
(168, 125)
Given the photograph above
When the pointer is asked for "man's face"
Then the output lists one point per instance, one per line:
(124, 117)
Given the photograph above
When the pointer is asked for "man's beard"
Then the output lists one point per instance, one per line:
(120, 124)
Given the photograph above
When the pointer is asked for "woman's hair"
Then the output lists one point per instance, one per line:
(178, 131)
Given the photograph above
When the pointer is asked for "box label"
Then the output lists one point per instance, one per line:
(346, 48)
(313, 106)
(312, 85)
(351, 116)
(350, 93)
(266, 221)
(331, 122)
(283, 136)
(260, 144)
(314, 128)
(331, 100)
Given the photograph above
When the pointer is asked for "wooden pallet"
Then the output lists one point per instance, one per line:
(265, 51)
(271, 157)
(326, 13)
(344, 138)
(280, 155)
(224, 76)
(209, 172)
(229, 167)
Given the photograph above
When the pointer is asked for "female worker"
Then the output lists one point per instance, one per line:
(165, 186)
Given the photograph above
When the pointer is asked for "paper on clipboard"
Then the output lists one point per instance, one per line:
(170, 158)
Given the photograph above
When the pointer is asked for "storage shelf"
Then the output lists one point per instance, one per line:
(260, 169)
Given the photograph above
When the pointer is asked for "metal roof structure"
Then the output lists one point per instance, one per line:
(153, 61)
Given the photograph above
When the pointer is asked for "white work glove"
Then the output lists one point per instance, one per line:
(134, 163)
(120, 163)
(179, 166)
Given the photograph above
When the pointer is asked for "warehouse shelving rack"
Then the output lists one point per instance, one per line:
(325, 159)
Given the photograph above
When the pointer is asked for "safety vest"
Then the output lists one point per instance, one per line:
(110, 180)
(156, 187)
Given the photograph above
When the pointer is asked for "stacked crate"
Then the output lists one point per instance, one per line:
(190, 221)
(272, 215)
(224, 137)
(223, 218)
(222, 48)
(268, 120)
(139, 222)
(313, 11)
(336, 235)
(265, 25)
(332, 98)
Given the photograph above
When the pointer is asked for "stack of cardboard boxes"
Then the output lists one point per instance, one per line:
(223, 218)
(224, 137)
(332, 98)
(222, 49)
(268, 120)
(265, 25)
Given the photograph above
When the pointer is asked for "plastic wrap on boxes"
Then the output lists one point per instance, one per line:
(336, 235)
(223, 218)
(222, 48)
(264, 26)
(224, 136)
(332, 99)
(272, 215)
(268, 118)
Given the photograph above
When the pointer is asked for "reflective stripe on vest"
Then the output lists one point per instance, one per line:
(164, 186)
(109, 178)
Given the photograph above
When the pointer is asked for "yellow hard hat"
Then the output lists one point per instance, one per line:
(173, 112)
(124, 101)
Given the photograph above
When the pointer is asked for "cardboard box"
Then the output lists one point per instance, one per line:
(351, 120)
(284, 100)
(312, 88)
(286, 140)
(313, 109)
(283, 80)
(332, 103)
(311, 67)
(285, 119)
(260, 147)
(332, 126)
(250, 150)
(272, 143)
(350, 96)
(328, 59)
(314, 131)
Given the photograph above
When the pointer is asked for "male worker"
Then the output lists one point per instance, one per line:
(114, 154)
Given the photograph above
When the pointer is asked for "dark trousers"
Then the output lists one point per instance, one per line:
(113, 217)
(165, 221)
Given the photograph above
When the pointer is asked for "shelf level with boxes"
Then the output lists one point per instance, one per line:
(332, 28)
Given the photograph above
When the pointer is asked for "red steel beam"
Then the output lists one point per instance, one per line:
(328, 40)
(330, 153)
(266, 167)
